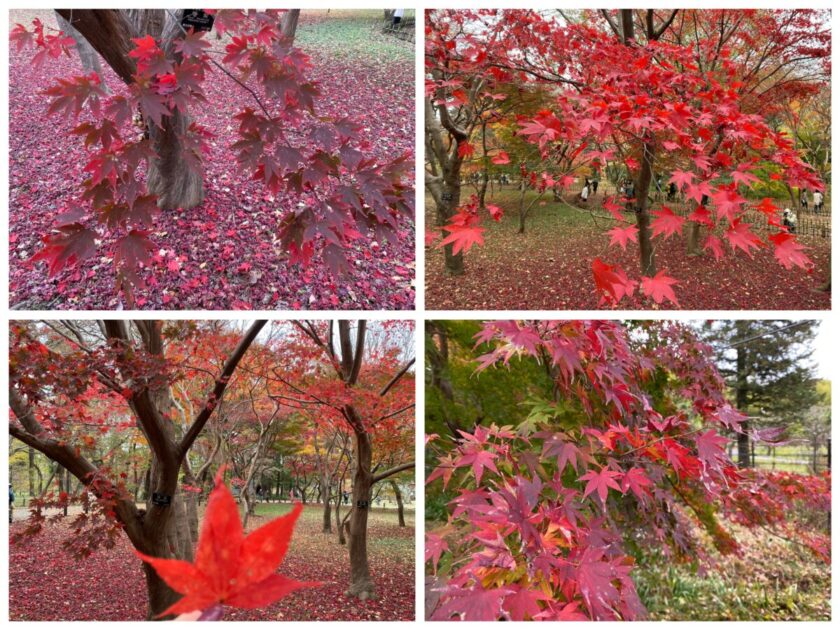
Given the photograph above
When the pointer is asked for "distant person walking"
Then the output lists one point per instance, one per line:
(818, 201)
(398, 16)
(789, 220)
(803, 199)
(11, 502)
(584, 194)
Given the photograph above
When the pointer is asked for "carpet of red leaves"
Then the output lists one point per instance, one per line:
(550, 268)
(225, 253)
(47, 584)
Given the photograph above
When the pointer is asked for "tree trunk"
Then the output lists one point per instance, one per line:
(398, 495)
(171, 175)
(522, 211)
(87, 55)
(325, 497)
(646, 257)
(31, 471)
(446, 209)
(160, 595)
(174, 177)
(744, 459)
(361, 585)
(288, 26)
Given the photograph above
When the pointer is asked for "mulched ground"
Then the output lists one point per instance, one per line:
(223, 254)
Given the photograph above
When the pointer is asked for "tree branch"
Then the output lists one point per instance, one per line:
(219, 389)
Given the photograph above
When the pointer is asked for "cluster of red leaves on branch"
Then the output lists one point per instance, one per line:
(282, 141)
(538, 527)
(94, 527)
(780, 501)
(688, 106)
(62, 379)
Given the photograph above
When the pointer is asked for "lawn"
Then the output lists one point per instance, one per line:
(47, 583)
(549, 266)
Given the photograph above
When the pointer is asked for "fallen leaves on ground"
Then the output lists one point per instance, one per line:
(225, 253)
(549, 268)
(47, 583)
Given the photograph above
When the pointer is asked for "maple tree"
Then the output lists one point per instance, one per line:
(647, 92)
(190, 398)
(544, 516)
(283, 141)
(367, 402)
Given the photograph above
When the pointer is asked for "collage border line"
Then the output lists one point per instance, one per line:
(419, 314)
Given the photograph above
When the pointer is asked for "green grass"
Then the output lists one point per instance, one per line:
(351, 35)
(772, 580)
(315, 512)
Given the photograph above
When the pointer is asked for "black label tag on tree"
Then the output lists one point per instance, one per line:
(160, 499)
(361, 504)
(197, 19)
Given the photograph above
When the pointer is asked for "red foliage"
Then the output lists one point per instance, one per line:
(361, 173)
(545, 514)
(684, 105)
(230, 568)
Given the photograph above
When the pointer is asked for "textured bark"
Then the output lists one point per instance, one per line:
(87, 55)
(288, 26)
(325, 500)
(646, 257)
(398, 496)
(361, 584)
(171, 176)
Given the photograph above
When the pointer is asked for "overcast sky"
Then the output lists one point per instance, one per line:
(825, 350)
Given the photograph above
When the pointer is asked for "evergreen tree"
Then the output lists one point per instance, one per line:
(767, 365)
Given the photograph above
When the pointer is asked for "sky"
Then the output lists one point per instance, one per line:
(825, 350)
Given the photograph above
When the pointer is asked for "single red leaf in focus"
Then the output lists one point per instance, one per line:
(600, 482)
(230, 568)
(666, 222)
(789, 252)
(620, 236)
(659, 288)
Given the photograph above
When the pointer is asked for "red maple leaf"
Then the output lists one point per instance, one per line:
(71, 245)
(435, 546)
(666, 222)
(659, 288)
(636, 480)
(789, 251)
(475, 604)
(464, 232)
(613, 208)
(501, 158)
(740, 237)
(728, 203)
(620, 235)
(681, 178)
(710, 448)
(230, 568)
(465, 149)
(600, 482)
(522, 604)
(479, 460)
(611, 280)
(714, 245)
